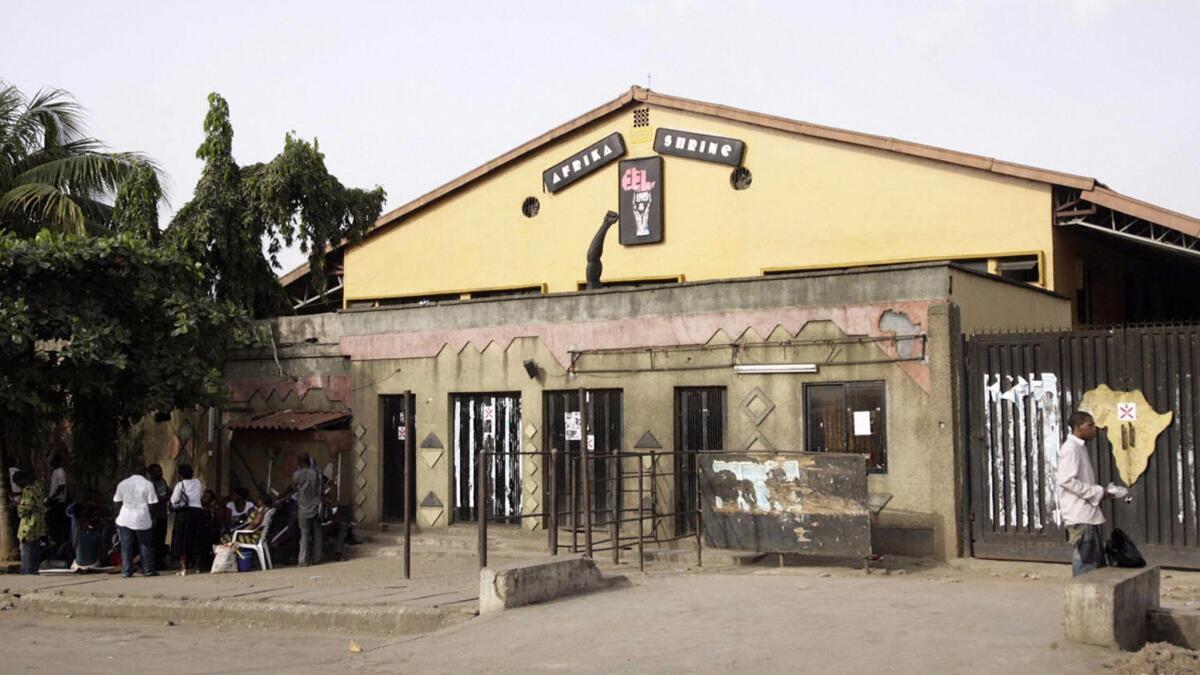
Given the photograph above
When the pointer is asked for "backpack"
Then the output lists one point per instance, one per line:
(1121, 551)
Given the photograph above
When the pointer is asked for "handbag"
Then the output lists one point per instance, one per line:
(183, 506)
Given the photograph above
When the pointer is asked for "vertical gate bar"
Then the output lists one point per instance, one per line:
(552, 466)
(641, 542)
(573, 464)
(1194, 411)
(1161, 461)
(615, 526)
(481, 512)
(1145, 347)
(654, 495)
(699, 539)
(1020, 447)
(1036, 460)
(585, 474)
(1005, 444)
(1175, 436)
(410, 482)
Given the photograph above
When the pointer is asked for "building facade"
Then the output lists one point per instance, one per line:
(777, 284)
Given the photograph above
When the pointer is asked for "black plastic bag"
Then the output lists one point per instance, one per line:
(1121, 552)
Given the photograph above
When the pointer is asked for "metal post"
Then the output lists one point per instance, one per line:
(618, 496)
(699, 538)
(573, 467)
(410, 481)
(481, 511)
(641, 518)
(552, 476)
(654, 494)
(585, 474)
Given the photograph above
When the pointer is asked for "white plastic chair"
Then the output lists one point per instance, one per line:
(260, 548)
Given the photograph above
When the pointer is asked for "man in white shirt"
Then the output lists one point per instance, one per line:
(1079, 495)
(134, 523)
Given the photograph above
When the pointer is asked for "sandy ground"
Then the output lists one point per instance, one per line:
(940, 620)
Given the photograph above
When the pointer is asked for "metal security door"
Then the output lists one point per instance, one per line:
(1020, 389)
(392, 414)
(699, 425)
(564, 434)
(490, 422)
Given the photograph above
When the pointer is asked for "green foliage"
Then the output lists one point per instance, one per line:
(52, 175)
(136, 207)
(103, 330)
(236, 210)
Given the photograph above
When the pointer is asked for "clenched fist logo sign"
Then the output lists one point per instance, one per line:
(641, 201)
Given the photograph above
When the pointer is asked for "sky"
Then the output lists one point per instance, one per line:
(409, 95)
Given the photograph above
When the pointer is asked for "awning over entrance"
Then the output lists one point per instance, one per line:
(291, 420)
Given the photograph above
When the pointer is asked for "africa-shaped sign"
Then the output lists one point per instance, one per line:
(1133, 427)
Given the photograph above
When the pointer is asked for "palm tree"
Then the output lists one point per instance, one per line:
(52, 175)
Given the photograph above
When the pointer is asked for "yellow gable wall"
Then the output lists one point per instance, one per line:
(813, 203)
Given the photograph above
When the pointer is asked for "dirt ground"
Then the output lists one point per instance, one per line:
(765, 619)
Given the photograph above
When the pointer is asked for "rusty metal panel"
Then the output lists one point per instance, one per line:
(810, 503)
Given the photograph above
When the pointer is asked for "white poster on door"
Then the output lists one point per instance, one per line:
(571, 420)
(862, 422)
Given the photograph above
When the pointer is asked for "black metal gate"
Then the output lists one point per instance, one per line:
(699, 425)
(564, 434)
(489, 422)
(1020, 389)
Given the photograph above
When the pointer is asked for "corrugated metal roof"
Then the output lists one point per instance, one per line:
(290, 420)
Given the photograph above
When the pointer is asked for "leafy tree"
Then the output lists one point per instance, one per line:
(290, 200)
(52, 175)
(101, 331)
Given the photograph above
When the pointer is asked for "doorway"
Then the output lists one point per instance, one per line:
(490, 422)
(699, 426)
(394, 428)
(563, 432)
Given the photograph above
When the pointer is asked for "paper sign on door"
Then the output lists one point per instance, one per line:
(862, 422)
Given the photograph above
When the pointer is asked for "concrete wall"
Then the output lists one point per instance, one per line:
(813, 203)
(989, 304)
(843, 321)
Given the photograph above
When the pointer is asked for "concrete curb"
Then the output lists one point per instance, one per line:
(386, 620)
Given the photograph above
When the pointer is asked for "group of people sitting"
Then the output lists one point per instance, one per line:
(198, 520)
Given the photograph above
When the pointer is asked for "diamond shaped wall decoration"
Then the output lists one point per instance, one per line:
(530, 430)
(431, 456)
(758, 441)
(757, 405)
(360, 431)
(431, 515)
(531, 486)
(360, 464)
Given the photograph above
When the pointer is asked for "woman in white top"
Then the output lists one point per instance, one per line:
(189, 513)
(240, 508)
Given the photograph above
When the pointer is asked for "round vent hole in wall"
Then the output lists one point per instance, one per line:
(740, 178)
(530, 207)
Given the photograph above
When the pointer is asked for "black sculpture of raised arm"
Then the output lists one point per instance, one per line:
(594, 266)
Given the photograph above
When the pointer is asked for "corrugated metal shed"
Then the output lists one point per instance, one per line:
(291, 420)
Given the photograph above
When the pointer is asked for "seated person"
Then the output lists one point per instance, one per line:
(239, 508)
(89, 552)
(257, 515)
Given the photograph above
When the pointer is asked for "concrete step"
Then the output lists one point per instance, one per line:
(461, 539)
